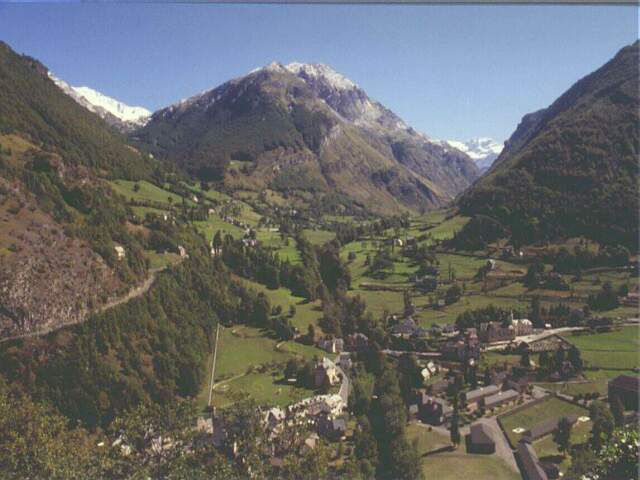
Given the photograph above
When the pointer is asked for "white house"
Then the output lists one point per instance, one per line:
(326, 369)
(120, 251)
(522, 326)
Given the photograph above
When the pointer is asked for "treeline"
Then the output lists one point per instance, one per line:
(565, 261)
(478, 233)
(349, 232)
(473, 318)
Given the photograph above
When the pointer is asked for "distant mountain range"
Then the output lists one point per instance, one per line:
(114, 112)
(482, 150)
(571, 169)
(416, 151)
(310, 133)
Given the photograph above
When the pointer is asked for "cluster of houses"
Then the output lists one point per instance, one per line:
(355, 342)
(432, 406)
(324, 412)
(407, 328)
(494, 332)
(467, 343)
(465, 349)
(624, 387)
(631, 298)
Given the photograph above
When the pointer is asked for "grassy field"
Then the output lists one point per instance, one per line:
(250, 364)
(448, 228)
(265, 388)
(285, 248)
(547, 450)
(318, 237)
(307, 313)
(449, 313)
(493, 358)
(141, 212)
(455, 465)
(147, 192)
(610, 350)
(160, 260)
(427, 441)
(535, 414)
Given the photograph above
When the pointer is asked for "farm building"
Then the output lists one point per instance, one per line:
(480, 439)
(120, 252)
(405, 328)
(522, 326)
(434, 411)
(331, 345)
(626, 388)
(331, 428)
(476, 396)
(357, 342)
(529, 463)
(439, 387)
(500, 398)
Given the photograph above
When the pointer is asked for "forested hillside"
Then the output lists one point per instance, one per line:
(59, 222)
(571, 169)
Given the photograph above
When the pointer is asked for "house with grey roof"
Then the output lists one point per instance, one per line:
(476, 396)
(500, 398)
(529, 463)
(480, 439)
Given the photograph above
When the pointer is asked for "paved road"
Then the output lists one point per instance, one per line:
(399, 353)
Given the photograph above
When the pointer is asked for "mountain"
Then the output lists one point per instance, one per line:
(59, 222)
(311, 134)
(571, 169)
(118, 114)
(481, 150)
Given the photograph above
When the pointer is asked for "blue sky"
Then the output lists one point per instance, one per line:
(450, 71)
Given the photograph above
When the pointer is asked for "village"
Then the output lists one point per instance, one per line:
(493, 390)
(457, 396)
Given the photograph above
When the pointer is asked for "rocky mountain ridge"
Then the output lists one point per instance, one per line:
(300, 126)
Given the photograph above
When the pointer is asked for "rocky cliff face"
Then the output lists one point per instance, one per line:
(47, 278)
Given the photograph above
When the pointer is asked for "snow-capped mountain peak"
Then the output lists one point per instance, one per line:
(110, 109)
(482, 150)
(121, 110)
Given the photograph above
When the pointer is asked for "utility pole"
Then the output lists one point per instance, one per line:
(213, 366)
